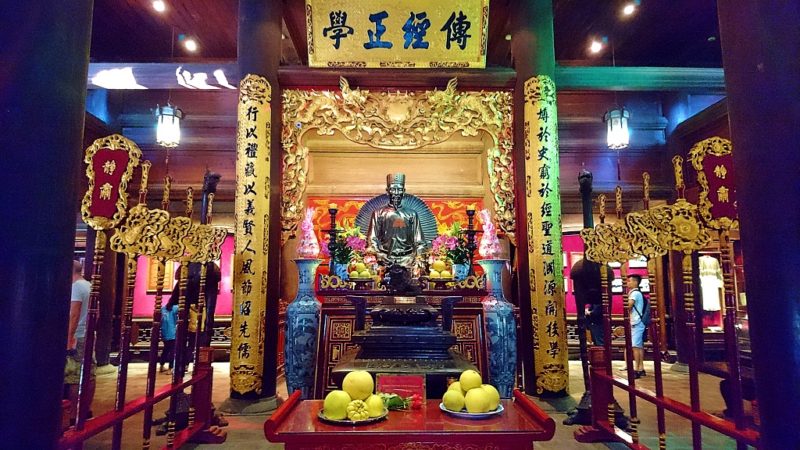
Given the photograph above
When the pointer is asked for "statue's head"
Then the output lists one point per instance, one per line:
(396, 188)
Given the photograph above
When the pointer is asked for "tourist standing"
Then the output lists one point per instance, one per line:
(169, 323)
(76, 338)
(636, 306)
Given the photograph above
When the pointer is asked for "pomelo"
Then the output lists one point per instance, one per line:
(335, 405)
(354, 274)
(477, 400)
(358, 384)
(438, 265)
(456, 385)
(494, 396)
(453, 400)
(469, 379)
(364, 274)
(361, 267)
(374, 405)
(446, 274)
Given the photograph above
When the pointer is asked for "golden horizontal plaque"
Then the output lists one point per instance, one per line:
(389, 34)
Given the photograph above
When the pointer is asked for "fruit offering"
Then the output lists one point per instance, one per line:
(355, 401)
(358, 384)
(360, 270)
(471, 394)
(335, 405)
(357, 410)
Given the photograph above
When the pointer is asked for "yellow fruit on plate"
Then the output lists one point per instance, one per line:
(358, 384)
(446, 274)
(365, 274)
(435, 274)
(354, 274)
(335, 405)
(375, 405)
(494, 396)
(360, 267)
(477, 400)
(357, 410)
(453, 400)
(469, 379)
(438, 265)
(456, 386)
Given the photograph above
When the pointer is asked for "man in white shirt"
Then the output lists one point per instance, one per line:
(636, 309)
(76, 337)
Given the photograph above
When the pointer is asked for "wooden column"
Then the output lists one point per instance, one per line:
(259, 56)
(45, 56)
(761, 54)
(538, 219)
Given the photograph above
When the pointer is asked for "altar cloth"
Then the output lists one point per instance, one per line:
(295, 423)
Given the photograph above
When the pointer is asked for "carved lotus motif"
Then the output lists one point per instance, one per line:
(685, 228)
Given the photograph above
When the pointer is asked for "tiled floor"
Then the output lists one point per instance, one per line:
(247, 432)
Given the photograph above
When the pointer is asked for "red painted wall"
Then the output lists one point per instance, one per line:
(143, 302)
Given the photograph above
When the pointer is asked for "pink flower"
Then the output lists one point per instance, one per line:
(356, 243)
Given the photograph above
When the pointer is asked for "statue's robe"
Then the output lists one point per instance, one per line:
(395, 236)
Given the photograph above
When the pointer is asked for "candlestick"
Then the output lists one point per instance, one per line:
(470, 232)
(646, 190)
(618, 201)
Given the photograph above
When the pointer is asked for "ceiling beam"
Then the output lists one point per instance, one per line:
(224, 75)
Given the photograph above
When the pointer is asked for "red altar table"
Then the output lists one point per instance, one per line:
(295, 423)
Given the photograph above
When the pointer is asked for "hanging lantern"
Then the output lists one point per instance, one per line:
(617, 121)
(168, 126)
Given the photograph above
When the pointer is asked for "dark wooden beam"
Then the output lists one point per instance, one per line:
(498, 48)
(294, 16)
(224, 75)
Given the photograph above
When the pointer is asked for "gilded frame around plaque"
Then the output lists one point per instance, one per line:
(716, 146)
(399, 121)
(112, 142)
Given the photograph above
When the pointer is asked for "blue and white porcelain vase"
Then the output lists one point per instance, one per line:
(302, 325)
(501, 329)
(460, 271)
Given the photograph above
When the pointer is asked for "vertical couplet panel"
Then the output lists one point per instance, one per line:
(543, 222)
(252, 232)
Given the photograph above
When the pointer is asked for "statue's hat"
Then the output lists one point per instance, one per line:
(396, 178)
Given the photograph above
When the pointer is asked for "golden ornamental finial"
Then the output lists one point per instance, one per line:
(618, 200)
(677, 166)
(145, 174)
(601, 202)
(189, 202)
(210, 207)
(165, 196)
(646, 186)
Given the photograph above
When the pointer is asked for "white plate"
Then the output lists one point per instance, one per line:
(468, 415)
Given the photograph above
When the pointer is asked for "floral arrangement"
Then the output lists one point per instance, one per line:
(395, 402)
(349, 245)
(450, 244)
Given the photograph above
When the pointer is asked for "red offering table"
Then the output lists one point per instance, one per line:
(295, 423)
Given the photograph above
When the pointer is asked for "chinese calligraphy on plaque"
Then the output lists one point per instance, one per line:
(387, 34)
(544, 234)
(252, 229)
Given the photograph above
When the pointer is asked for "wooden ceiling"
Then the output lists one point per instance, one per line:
(677, 33)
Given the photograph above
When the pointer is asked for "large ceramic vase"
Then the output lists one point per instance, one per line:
(302, 325)
(501, 329)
